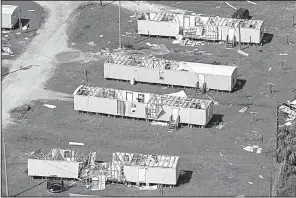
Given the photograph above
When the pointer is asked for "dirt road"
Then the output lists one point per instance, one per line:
(25, 85)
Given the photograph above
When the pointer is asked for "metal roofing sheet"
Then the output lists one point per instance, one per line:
(208, 69)
(8, 9)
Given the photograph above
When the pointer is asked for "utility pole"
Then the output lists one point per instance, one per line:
(119, 32)
(85, 73)
(277, 130)
(5, 168)
(239, 35)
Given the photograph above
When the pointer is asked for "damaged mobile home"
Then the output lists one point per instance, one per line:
(58, 163)
(125, 168)
(169, 72)
(133, 168)
(200, 27)
(171, 109)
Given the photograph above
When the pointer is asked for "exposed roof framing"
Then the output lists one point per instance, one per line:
(167, 100)
(136, 159)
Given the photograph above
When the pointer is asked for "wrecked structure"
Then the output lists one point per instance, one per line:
(170, 72)
(172, 109)
(10, 16)
(125, 168)
(57, 163)
(134, 168)
(200, 27)
(287, 114)
(148, 169)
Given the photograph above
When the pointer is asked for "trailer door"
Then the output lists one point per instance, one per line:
(142, 175)
(230, 34)
(175, 113)
(120, 107)
(129, 96)
(186, 22)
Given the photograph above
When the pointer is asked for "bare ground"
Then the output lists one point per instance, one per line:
(219, 167)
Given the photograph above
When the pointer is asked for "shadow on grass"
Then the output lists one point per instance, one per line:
(4, 70)
(267, 38)
(239, 85)
(30, 188)
(184, 177)
(216, 119)
(23, 21)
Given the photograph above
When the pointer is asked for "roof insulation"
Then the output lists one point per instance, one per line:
(8, 9)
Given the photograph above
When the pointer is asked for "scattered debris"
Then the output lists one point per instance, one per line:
(5, 50)
(220, 126)
(18, 33)
(250, 182)
(243, 109)
(230, 5)
(283, 54)
(76, 144)
(78, 195)
(130, 21)
(5, 32)
(178, 94)
(92, 43)
(242, 53)
(261, 176)
(31, 10)
(215, 102)
(6, 36)
(49, 106)
(188, 42)
(251, 2)
(73, 43)
(149, 44)
(259, 150)
(269, 69)
(25, 27)
(147, 187)
(159, 123)
(251, 149)
(101, 36)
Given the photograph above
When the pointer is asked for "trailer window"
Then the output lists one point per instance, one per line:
(141, 98)
(133, 108)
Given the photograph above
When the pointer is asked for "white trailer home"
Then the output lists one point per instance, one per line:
(48, 168)
(147, 169)
(167, 108)
(10, 16)
(199, 27)
(57, 163)
(159, 24)
(169, 72)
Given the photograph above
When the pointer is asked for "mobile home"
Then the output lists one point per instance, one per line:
(148, 169)
(169, 72)
(200, 27)
(166, 108)
(10, 16)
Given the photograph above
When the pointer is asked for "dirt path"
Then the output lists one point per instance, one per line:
(25, 85)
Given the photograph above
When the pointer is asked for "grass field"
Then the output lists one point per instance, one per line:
(214, 164)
